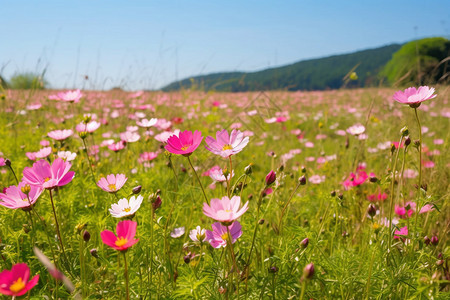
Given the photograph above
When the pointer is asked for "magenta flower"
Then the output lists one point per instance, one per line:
(48, 177)
(414, 97)
(69, 96)
(218, 237)
(117, 146)
(126, 231)
(225, 210)
(355, 180)
(185, 143)
(226, 145)
(15, 282)
(60, 135)
(14, 197)
(402, 232)
(112, 183)
(2, 162)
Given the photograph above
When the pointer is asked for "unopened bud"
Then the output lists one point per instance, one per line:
(404, 131)
(417, 143)
(8, 162)
(225, 172)
(434, 240)
(392, 149)
(87, 119)
(270, 178)
(248, 169)
(157, 203)
(407, 141)
(86, 236)
(341, 196)
(94, 253)
(80, 227)
(187, 258)
(137, 189)
(260, 222)
(83, 134)
(302, 180)
(304, 243)
(372, 210)
(273, 269)
(303, 169)
(281, 168)
(308, 271)
(426, 240)
(373, 178)
(333, 193)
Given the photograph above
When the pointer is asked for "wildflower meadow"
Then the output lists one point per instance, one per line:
(340, 194)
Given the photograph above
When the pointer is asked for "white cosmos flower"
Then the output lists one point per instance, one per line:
(67, 155)
(198, 234)
(125, 208)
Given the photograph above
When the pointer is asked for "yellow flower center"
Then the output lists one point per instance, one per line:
(112, 187)
(47, 179)
(17, 285)
(224, 236)
(184, 148)
(127, 209)
(227, 147)
(121, 241)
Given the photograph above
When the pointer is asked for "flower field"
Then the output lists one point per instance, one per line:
(338, 194)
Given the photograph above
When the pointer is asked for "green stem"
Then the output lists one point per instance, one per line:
(57, 228)
(198, 179)
(287, 203)
(420, 150)
(126, 275)
(229, 178)
(89, 160)
(391, 204)
(12, 171)
(303, 289)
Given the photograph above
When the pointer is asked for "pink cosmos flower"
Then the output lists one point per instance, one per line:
(43, 153)
(218, 237)
(316, 179)
(47, 176)
(69, 96)
(117, 146)
(2, 162)
(60, 135)
(147, 123)
(147, 156)
(185, 143)
(112, 183)
(198, 234)
(165, 135)
(226, 145)
(356, 129)
(426, 208)
(89, 127)
(13, 197)
(402, 232)
(377, 197)
(177, 232)
(126, 231)
(355, 180)
(15, 282)
(225, 210)
(414, 97)
(129, 136)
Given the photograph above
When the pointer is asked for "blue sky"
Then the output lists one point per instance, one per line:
(140, 44)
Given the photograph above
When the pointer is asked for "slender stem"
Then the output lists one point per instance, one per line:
(233, 257)
(150, 277)
(229, 178)
(126, 275)
(391, 204)
(287, 203)
(89, 160)
(57, 227)
(82, 266)
(13, 174)
(174, 173)
(303, 289)
(420, 150)
(198, 179)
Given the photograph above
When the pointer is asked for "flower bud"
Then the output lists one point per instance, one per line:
(303, 169)
(86, 236)
(260, 222)
(304, 243)
(248, 169)
(281, 168)
(404, 131)
(308, 271)
(87, 119)
(407, 141)
(94, 253)
(157, 203)
(426, 240)
(83, 134)
(137, 189)
(270, 178)
(187, 258)
(373, 178)
(302, 180)
(372, 210)
(434, 240)
(273, 269)
(417, 143)
(333, 193)
(8, 162)
(341, 196)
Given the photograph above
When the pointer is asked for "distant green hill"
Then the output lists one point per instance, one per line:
(313, 74)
